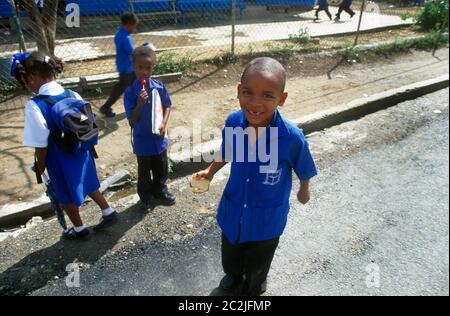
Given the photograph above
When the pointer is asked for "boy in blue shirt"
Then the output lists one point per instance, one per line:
(150, 149)
(254, 207)
(124, 50)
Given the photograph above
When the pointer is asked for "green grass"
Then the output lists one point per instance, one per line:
(224, 59)
(6, 88)
(171, 62)
(286, 51)
(302, 37)
(351, 53)
(432, 40)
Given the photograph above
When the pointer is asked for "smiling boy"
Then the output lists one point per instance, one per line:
(255, 204)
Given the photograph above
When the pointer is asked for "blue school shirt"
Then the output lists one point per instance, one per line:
(74, 176)
(255, 205)
(124, 51)
(145, 143)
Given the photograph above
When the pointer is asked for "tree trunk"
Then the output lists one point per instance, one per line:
(43, 24)
(49, 18)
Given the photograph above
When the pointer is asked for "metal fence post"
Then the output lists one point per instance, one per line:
(233, 26)
(16, 18)
(363, 5)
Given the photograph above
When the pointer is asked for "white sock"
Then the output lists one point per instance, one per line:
(79, 228)
(107, 211)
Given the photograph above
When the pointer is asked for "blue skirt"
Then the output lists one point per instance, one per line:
(74, 176)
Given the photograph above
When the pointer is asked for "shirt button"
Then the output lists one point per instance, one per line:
(248, 180)
(245, 205)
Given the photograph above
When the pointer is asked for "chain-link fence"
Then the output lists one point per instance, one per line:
(81, 32)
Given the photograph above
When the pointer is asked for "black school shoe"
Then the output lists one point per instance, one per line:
(71, 234)
(147, 206)
(255, 292)
(229, 283)
(107, 221)
(229, 286)
(107, 112)
(165, 198)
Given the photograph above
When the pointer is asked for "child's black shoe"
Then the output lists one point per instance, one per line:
(229, 283)
(165, 198)
(107, 221)
(147, 206)
(107, 112)
(71, 234)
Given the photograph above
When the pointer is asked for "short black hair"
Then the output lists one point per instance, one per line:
(269, 65)
(40, 64)
(146, 50)
(129, 18)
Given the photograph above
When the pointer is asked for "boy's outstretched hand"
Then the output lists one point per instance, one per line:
(304, 194)
(204, 174)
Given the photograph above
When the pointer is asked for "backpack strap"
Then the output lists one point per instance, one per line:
(46, 99)
(36, 170)
(94, 152)
(52, 101)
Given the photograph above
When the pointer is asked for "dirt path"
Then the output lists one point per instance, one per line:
(208, 94)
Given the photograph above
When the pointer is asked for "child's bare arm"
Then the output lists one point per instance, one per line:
(304, 194)
(211, 170)
(163, 128)
(143, 97)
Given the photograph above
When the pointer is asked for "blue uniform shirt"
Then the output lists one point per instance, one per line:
(124, 51)
(145, 143)
(255, 205)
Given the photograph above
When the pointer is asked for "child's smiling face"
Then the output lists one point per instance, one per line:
(259, 94)
(143, 66)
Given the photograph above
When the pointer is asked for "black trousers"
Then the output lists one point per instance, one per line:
(153, 172)
(251, 260)
(125, 80)
(326, 9)
(346, 8)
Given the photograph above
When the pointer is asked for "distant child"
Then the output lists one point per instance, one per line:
(323, 6)
(150, 148)
(124, 50)
(73, 175)
(254, 207)
(345, 6)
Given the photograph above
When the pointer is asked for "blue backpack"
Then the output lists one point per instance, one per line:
(73, 127)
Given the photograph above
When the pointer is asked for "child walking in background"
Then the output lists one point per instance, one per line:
(150, 148)
(345, 6)
(254, 207)
(73, 175)
(124, 50)
(323, 6)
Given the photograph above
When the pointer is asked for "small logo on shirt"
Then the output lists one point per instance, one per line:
(273, 178)
(83, 118)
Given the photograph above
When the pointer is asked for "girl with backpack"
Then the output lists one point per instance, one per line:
(72, 173)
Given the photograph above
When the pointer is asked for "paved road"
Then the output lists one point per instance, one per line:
(377, 225)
